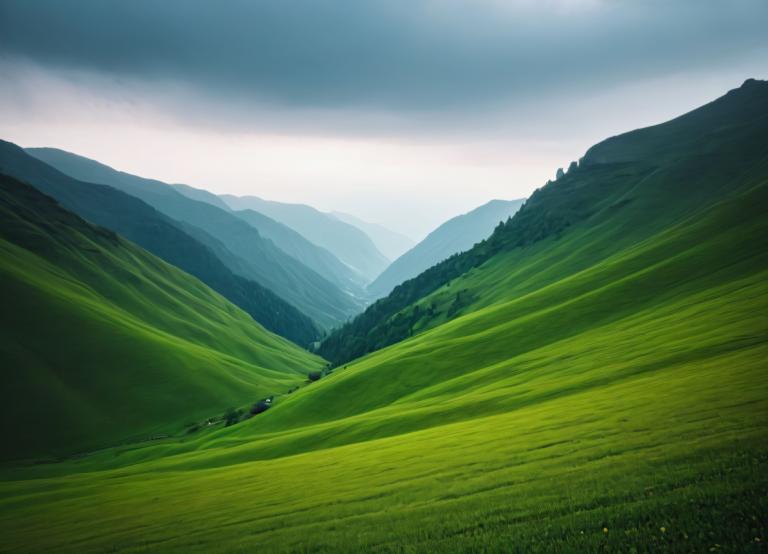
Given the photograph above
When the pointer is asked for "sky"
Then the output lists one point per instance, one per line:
(402, 112)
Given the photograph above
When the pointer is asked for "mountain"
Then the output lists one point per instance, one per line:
(292, 243)
(348, 243)
(103, 342)
(311, 255)
(254, 257)
(200, 195)
(163, 237)
(390, 243)
(627, 187)
(589, 378)
(455, 235)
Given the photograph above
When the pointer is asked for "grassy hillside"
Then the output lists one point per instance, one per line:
(348, 243)
(599, 386)
(598, 209)
(629, 449)
(181, 245)
(257, 259)
(634, 415)
(102, 342)
(452, 237)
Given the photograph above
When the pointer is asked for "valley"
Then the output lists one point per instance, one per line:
(582, 371)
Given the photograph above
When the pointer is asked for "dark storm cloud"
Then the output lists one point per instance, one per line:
(384, 54)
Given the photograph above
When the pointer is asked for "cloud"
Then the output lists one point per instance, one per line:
(397, 56)
(355, 105)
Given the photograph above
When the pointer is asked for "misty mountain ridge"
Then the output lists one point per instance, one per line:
(348, 243)
(182, 245)
(456, 235)
(252, 255)
(389, 242)
(291, 242)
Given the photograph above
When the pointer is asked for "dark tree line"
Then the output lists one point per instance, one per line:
(547, 213)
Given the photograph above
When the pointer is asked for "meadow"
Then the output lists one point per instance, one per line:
(163, 349)
(600, 386)
(628, 416)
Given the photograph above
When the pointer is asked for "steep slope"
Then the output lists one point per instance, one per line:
(654, 177)
(102, 342)
(259, 259)
(201, 195)
(455, 235)
(161, 236)
(602, 389)
(292, 243)
(348, 243)
(313, 256)
(390, 243)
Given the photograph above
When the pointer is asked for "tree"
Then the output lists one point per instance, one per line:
(232, 416)
(260, 407)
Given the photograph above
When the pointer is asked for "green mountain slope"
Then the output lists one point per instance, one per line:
(600, 387)
(690, 162)
(455, 235)
(390, 243)
(259, 259)
(162, 236)
(102, 342)
(348, 243)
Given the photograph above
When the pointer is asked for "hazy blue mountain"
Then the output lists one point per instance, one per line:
(455, 235)
(315, 257)
(168, 239)
(292, 243)
(348, 243)
(200, 194)
(390, 243)
(254, 257)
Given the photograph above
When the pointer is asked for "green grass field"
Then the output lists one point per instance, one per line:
(163, 350)
(590, 432)
(603, 389)
(528, 424)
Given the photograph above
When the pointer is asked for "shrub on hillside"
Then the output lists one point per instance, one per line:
(232, 416)
(260, 407)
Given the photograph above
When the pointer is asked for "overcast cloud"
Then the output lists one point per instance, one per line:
(381, 84)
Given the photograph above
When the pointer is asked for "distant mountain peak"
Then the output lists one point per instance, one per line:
(347, 242)
(752, 82)
(456, 235)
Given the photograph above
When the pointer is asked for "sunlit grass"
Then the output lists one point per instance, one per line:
(104, 343)
(620, 408)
